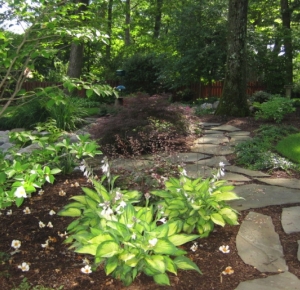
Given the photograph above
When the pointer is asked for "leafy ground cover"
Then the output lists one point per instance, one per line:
(290, 147)
(55, 266)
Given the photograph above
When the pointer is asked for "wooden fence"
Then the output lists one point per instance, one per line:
(199, 90)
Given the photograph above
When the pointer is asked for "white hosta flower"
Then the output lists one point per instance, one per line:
(65, 234)
(221, 164)
(163, 220)
(20, 192)
(50, 225)
(184, 173)
(119, 195)
(52, 212)
(27, 210)
(24, 267)
(9, 212)
(41, 192)
(224, 249)
(86, 269)
(153, 242)
(16, 244)
(41, 224)
(133, 236)
(194, 247)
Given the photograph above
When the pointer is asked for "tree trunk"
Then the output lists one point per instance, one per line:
(127, 22)
(234, 99)
(287, 41)
(76, 54)
(109, 28)
(157, 25)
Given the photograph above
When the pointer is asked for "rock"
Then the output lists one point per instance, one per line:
(290, 219)
(258, 244)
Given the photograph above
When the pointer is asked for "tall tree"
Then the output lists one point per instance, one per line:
(109, 28)
(234, 100)
(158, 13)
(77, 49)
(127, 22)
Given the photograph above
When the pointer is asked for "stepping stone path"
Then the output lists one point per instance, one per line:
(257, 242)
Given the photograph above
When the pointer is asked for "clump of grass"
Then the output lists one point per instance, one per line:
(289, 147)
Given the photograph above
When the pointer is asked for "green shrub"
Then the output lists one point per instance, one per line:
(142, 74)
(275, 109)
(260, 97)
(289, 147)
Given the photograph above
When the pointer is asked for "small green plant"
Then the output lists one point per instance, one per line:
(260, 97)
(198, 204)
(275, 109)
(126, 239)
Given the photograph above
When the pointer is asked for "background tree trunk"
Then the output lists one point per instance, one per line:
(286, 12)
(234, 100)
(157, 25)
(127, 23)
(76, 54)
(109, 28)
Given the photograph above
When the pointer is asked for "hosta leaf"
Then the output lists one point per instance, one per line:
(108, 249)
(87, 249)
(161, 231)
(156, 262)
(100, 239)
(174, 227)
(217, 219)
(226, 196)
(164, 247)
(80, 198)
(162, 193)
(229, 215)
(161, 279)
(92, 194)
(75, 205)
(111, 265)
(180, 239)
(185, 263)
(19, 201)
(170, 265)
(73, 212)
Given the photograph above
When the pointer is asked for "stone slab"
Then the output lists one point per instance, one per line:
(239, 139)
(235, 177)
(206, 124)
(186, 157)
(211, 139)
(214, 161)
(213, 132)
(257, 195)
(259, 245)
(290, 219)
(238, 133)
(285, 182)
(228, 128)
(212, 149)
(298, 252)
(283, 281)
(247, 172)
(196, 171)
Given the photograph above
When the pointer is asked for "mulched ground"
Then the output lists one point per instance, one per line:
(55, 265)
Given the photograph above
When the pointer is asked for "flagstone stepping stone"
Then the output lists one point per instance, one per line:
(247, 172)
(214, 161)
(239, 139)
(282, 281)
(213, 132)
(212, 139)
(290, 219)
(238, 133)
(257, 195)
(228, 128)
(235, 177)
(196, 171)
(204, 124)
(212, 149)
(285, 182)
(186, 157)
(258, 244)
(298, 253)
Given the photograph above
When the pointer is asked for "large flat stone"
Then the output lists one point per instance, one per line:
(286, 182)
(239, 139)
(238, 133)
(290, 219)
(196, 171)
(228, 128)
(283, 281)
(214, 161)
(212, 149)
(247, 172)
(257, 196)
(213, 132)
(206, 124)
(235, 177)
(186, 157)
(258, 244)
(211, 139)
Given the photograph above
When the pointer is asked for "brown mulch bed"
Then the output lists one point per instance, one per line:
(56, 265)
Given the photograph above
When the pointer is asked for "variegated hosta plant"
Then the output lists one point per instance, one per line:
(199, 203)
(127, 239)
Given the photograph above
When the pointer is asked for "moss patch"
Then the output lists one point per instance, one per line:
(289, 147)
